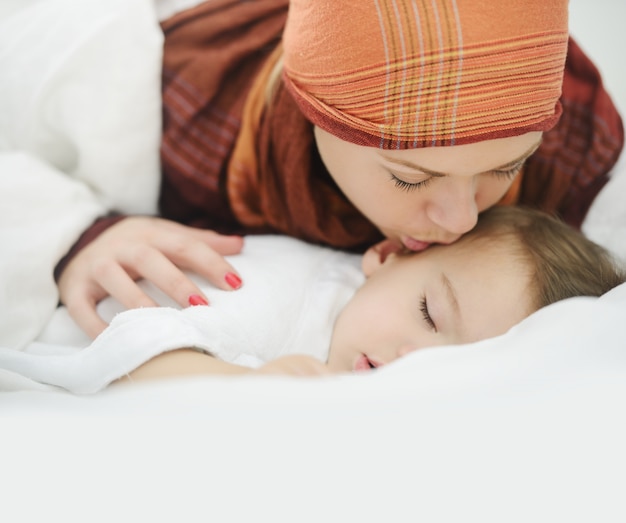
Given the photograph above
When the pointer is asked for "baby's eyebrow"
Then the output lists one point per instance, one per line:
(451, 295)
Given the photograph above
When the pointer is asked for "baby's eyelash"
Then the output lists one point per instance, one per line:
(426, 315)
(407, 186)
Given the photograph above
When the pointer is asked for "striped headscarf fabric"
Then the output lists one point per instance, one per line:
(401, 74)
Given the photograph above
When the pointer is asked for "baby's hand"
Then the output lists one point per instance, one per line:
(294, 365)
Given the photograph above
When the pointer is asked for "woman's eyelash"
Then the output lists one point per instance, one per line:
(407, 186)
(426, 315)
(507, 174)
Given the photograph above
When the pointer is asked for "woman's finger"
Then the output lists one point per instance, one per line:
(116, 281)
(155, 267)
(222, 244)
(198, 257)
(82, 308)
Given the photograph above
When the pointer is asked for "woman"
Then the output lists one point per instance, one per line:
(369, 121)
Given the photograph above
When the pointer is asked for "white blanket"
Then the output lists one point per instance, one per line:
(528, 426)
(79, 135)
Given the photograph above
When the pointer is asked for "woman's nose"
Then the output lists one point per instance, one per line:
(454, 208)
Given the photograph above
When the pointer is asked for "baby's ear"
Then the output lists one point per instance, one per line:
(375, 256)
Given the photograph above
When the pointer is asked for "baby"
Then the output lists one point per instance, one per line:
(333, 317)
(310, 310)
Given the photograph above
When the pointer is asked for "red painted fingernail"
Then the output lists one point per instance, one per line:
(194, 299)
(233, 280)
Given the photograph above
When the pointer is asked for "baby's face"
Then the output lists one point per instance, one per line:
(445, 295)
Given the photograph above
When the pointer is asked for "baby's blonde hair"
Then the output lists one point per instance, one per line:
(562, 262)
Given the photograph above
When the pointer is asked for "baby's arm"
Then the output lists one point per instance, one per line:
(189, 362)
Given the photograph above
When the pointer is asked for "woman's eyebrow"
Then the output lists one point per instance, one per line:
(437, 174)
(413, 166)
(522, 158)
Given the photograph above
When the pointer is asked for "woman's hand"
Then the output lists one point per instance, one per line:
(294, 365)
(144, 247)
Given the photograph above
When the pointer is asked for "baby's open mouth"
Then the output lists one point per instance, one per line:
(363, 363)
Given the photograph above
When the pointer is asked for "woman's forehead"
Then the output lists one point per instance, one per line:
(466, 159)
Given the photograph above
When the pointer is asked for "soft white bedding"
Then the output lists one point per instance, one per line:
(529, 426)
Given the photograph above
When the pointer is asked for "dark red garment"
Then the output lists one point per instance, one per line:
(572, 163)
(211, 56)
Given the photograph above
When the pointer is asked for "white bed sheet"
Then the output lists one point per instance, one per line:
(529, 426)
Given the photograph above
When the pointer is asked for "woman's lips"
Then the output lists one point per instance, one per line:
(414, 245)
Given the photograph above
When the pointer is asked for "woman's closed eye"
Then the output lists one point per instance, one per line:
(508, 174)
(426, 315)
(409, 186)
(403, 185)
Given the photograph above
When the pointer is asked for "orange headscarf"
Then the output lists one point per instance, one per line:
(402, 74)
